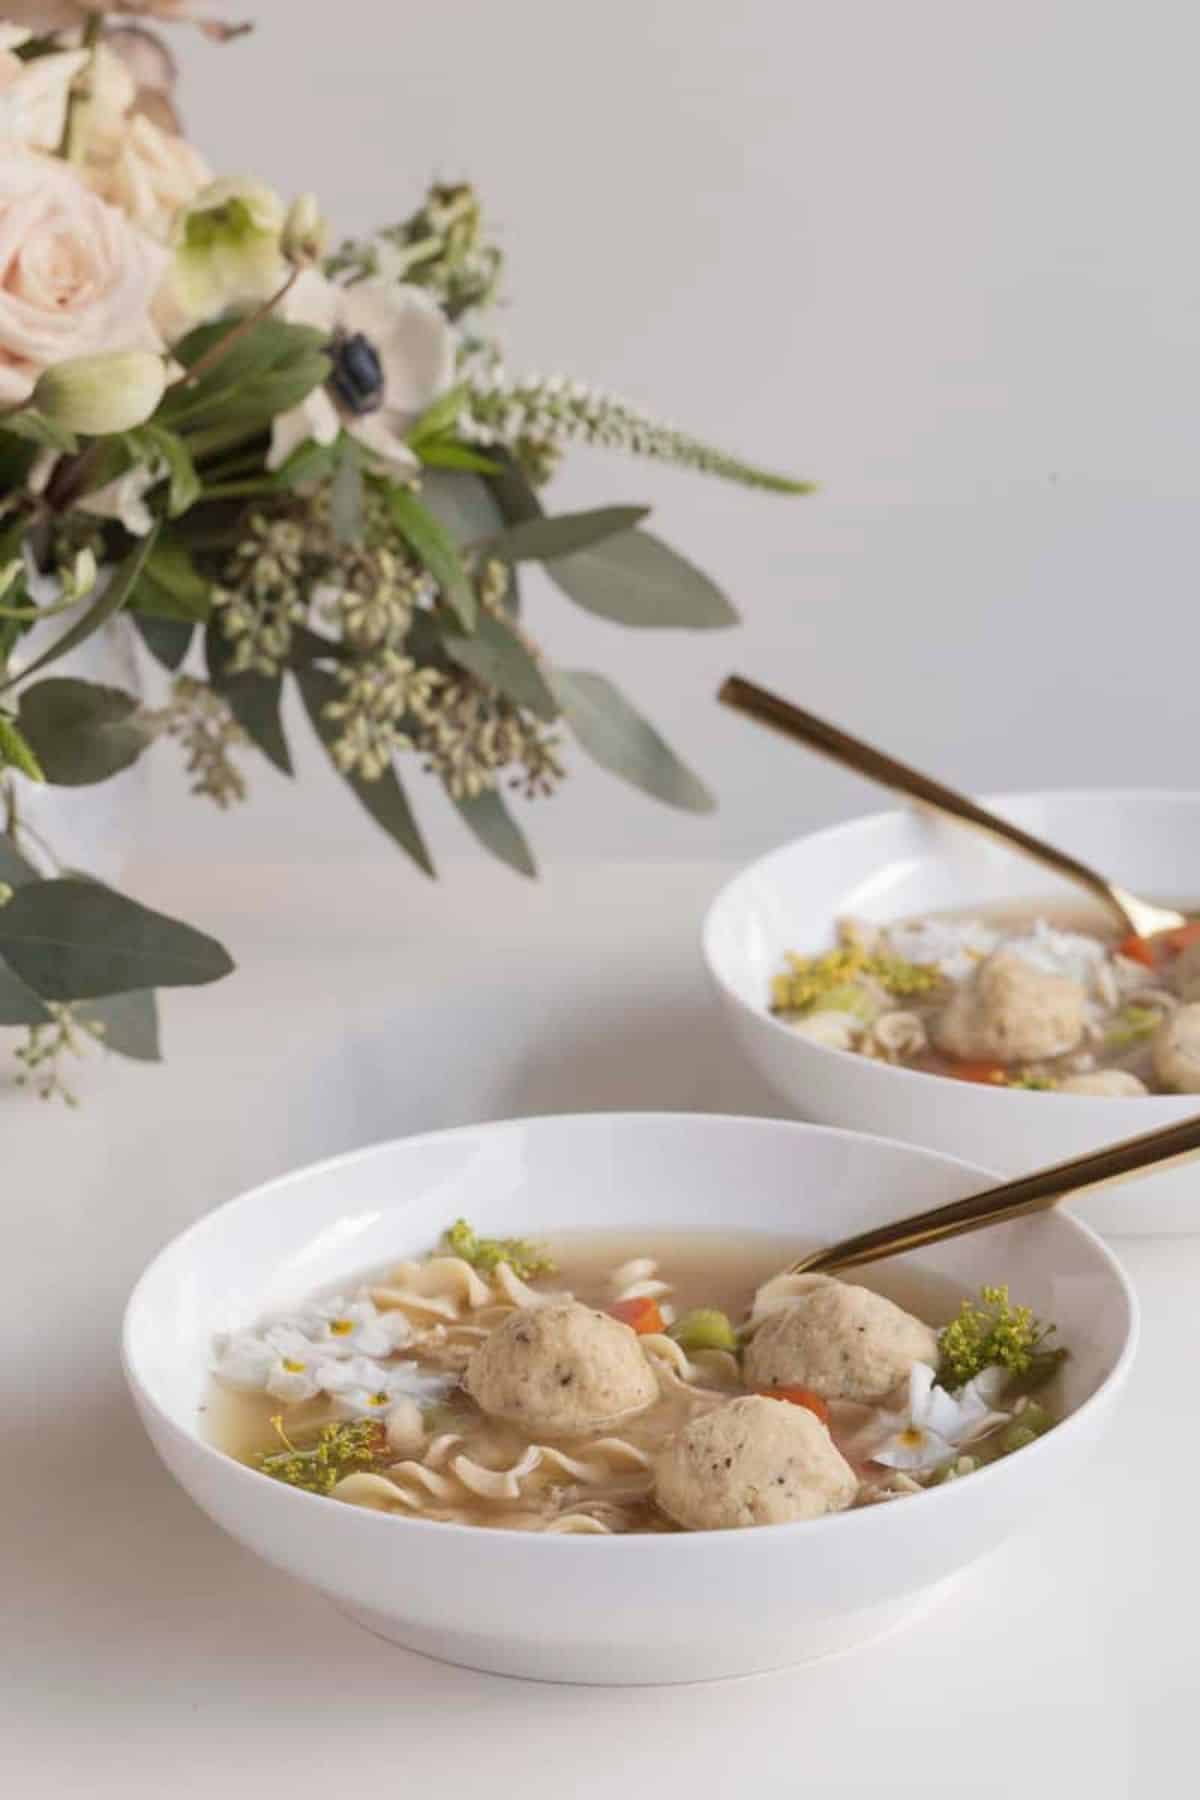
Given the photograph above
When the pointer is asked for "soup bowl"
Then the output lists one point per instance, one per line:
(623, 1609)
(896, 864)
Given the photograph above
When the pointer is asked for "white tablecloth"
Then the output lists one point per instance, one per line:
(144, 1654)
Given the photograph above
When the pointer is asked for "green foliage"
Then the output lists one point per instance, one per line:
(492, 824)
(486, 1254)
(436, 550)
(266, 370)
(35, 429)
(126, 1024)
(255, 701)
(81, 732)
(337, 1451)
(384, 798)
(16, 752)
(171, 586)
(167, 640)
(72, 939)
(636, 579)
(496, 656)
(622, 741)
(564, 534)
(994, 1333)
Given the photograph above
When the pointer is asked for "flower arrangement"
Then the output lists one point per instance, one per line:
(286, 468)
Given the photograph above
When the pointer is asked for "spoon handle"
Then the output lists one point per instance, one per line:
(771, 709)
(1038, 1192)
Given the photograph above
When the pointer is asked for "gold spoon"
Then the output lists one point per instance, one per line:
(1013, 1199)
(1137, 916)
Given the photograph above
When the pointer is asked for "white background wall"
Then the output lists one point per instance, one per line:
(942, 255)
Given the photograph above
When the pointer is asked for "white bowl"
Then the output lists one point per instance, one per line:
(634, 1609)
(896, 864)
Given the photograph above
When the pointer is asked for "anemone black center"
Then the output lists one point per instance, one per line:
(357, 376)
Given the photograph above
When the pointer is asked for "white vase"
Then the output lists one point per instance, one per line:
(94, 829)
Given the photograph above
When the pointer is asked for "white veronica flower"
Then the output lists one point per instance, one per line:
(279, 1361)
(936, 1423)
(342, 1327)
(364, 1387)
(393, 352)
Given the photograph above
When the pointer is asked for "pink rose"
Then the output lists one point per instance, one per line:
(76, 277)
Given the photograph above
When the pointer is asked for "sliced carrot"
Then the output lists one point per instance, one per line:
(1138, 949)
(978, 1071)
(798, 1396)
(642, 1314)
(1175, 941)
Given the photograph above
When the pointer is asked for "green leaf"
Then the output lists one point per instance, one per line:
(462, 503)
(433, 547)
(130, 1023)
(35, 429)
(495, 655)
(636, 579)
(184, 490)
(254, 700)
(15, 871)
(16, 752)
(497, 830)
(620, 740)
(81, 732)
(106, 605)
(346, 494)
(167, 640)
(308, 462)
(438, 419)
(269, 345)
(536, 540)
(513, 492)
(72, 939)
(384, 799)
(171, 586)
(19, 1005)
(447, 453)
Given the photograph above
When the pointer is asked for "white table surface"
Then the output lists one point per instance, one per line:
(143, 1653)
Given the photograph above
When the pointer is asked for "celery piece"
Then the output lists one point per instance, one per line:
(704, 1328)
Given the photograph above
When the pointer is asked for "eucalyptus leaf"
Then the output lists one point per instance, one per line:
(171, 586)
(620, 740)
(72, 939)
(346, 494)
(463, 503)
(310, 461)
(563, 534)
(167, 640)
(636, 579)
(106, 605)
(19, 1005)
(513, 492)
(384, 799)
(253, 699)
(496, 829)
(15, 871)
(433, 546)
(496, 656)
(81, 732)
(129, 1021)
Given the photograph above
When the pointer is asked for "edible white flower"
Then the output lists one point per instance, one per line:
(279, 1361)
(936, 1423)
(363, 1387)
(343, 1327)
(394, 355)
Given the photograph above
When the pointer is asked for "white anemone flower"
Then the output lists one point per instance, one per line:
(394, 354)
(937, 1423)
(342, 1327)
(280, 1361)
(364, 1387)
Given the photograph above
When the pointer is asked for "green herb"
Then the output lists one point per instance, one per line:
(811, 982)
(994, 1334)
(338, 1451)
(486, 1254)
(1132, 1026)
(1030, 1080)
